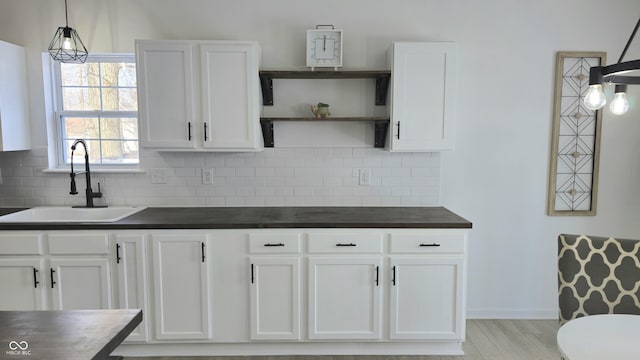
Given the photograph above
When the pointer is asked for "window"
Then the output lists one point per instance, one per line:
(97, 101)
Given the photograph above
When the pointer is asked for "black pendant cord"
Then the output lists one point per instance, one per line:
(66, 14)
(633, 34)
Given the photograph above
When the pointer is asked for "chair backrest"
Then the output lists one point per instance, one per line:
(597, 275)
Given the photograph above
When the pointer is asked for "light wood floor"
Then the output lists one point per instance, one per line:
(486, 340)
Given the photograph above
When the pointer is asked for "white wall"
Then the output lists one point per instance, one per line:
(496, 177)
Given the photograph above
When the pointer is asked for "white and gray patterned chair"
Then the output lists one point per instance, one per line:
(597, 275)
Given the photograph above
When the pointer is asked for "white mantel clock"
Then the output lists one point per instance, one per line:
(324, 47)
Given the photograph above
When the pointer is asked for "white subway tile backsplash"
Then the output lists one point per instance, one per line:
(273, 177)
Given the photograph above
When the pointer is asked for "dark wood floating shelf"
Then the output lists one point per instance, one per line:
(381, 126)
(382, 78)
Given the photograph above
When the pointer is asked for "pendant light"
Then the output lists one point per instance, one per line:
(66, 45)
(613, 74)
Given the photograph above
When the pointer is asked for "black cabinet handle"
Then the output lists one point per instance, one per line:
(272, 245)
(35, 278)
(398, 133)
(429, 245)
(393, 279)
(53, 282)
(350, 244)
(377, 275)
(189, 129)
(252, 278)
(118, 258)
(205, 131)
(202, 249)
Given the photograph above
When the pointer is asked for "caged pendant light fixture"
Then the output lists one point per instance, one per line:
(613, 74)
(66, 45)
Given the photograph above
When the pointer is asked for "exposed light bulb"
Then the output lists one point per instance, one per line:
(66, 44)
(620, 103)
(595, 99)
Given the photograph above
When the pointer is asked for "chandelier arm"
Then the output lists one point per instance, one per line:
(618, 68)
(626, 47)
(627, 80)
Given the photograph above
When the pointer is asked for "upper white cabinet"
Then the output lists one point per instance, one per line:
(14, 109)
(199, 95)
(165, 94)
(230, 95)
(423, 92)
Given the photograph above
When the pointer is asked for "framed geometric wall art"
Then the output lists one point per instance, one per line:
(575, 137)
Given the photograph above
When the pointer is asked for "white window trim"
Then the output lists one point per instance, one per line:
(52, 95)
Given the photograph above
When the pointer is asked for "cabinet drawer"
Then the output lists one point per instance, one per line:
(274, 243)
(20, 244)
(345, 243)
(427, 243)
(70, 244)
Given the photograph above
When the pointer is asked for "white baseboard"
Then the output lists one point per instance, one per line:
(529, 314)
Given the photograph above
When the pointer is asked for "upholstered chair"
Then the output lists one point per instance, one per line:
(597, 275)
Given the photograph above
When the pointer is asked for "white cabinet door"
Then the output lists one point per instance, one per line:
(275, 298)
(166, 94)
(130, 264)
(230, 95)
(181, 286)
(344, 297)
(14, 107)
(23, 284)
(426, 298)
(423, 91)
(80, 283)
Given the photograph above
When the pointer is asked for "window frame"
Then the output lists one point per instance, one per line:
(59, 113)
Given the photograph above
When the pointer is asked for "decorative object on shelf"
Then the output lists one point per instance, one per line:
(324, 47)
(321, 110)
(612, 74)
(575, 142)
(66, 45)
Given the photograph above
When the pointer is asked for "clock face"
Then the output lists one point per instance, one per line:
(324, 48)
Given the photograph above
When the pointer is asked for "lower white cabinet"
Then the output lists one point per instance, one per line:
(73, 274)
(344, 297)
(21, 281)
(260, 291)
(426, 298)
(181, 284)
(80, 284)
(275, 298)
(131, 273)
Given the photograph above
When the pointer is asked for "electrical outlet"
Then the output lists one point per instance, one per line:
(365, 177)
(158, 176)
(207, 176)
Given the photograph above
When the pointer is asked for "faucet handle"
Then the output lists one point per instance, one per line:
(97, 194)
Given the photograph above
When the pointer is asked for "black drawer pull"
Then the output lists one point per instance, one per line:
(273, 245)
(350, 244)
(202, 250)
(377, 275)
(52, 281)
(252, 274)
(35, 278)
(393, 280)
(118, 258)
(429, 245)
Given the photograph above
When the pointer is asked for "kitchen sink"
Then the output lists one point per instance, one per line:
(70, 214)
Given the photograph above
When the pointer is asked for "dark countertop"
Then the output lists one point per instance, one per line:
(266, 217)
(70, 334)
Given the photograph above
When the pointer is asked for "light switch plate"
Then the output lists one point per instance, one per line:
(365, 177)
(207, 176)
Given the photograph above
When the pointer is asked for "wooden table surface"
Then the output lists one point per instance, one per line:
(69, 335)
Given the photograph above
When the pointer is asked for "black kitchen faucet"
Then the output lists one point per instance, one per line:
(88, 192)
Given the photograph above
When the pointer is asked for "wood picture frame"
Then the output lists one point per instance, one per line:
(575, 138)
